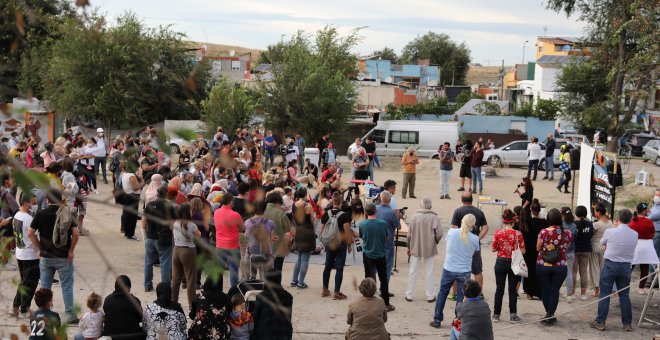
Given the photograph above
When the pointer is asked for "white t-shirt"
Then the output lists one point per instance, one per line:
(184, 238)
(355, 149)
(126, 182)
(293, 155)
(534, 151)
(24, 248)
(91, 324)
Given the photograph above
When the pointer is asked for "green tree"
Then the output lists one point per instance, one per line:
(123, 75)
(524, 110)
(487, 108)
(465, 97)
(626, 40)
(229, 105)
(437, 106)
(311, 91)
(387, 54)
(453, 58)
(546, 109)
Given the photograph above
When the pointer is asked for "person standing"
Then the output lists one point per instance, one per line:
(101, 154)
(336, 258)
(585, 231)
(462, 245)
(533, 157)
(409, 162)
(184, 255)
(54, 258)
(132, 186)
(505, 241)
(269, 149)
(466, 160)
(475, 167)
(26, 257)
(551, 270)
(370, 149)
(619, 244)
(300, 144)
(569, 225)
(447, 159)
(305, 237)
(228, 225)
(117, 156)
(423, 236)
(531, 231)
(597, 252)
(321, 144)
(550, 146)
(280, 235)
(654, 216)
(329, 155)
(9, 208)
(158, 239)
(375, 233)
(385, 212)
(565, 157)
(644, 253)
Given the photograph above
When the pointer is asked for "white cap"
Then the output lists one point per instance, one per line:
(99, 130)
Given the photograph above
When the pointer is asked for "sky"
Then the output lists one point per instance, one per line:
(494, 30)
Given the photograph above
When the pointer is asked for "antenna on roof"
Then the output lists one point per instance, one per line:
(545, 31)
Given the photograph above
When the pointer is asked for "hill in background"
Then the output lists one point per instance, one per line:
(223, 50)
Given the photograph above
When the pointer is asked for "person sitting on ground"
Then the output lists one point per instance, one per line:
(240, 320)
(123, 312)
(209, 312)
(91, 323)
(164, 317)
(367, 314)
(272, 310)
(48, 322)
(472, 316)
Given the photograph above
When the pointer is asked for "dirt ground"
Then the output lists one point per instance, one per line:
(105, 254)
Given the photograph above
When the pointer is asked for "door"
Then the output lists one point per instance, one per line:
(398, 141)
(516, 153)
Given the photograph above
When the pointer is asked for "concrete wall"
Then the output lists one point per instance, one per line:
(375, 96)
(503, 124)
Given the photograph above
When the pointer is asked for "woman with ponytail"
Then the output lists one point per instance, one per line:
(531, 231)
(505, 241)
(644, 252)
(461, 245)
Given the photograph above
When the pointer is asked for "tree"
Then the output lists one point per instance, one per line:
(465, 97)
(524, 110)
(229, 105)
(487, 108)
(626, 37)
(123, 75)
(453, 58)
(546, 109)
(437, 106)
(387, 54)
(311, 91)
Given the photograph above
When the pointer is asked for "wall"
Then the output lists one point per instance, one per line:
(381, 69)
(545, 82)
(375, 96)
(502, 124)
(401, 98)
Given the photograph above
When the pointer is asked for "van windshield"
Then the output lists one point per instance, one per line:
(378, 135)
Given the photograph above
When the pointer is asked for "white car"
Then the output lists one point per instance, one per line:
(515, 154)
(651, 151)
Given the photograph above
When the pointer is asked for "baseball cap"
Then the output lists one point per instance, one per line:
(99, 130)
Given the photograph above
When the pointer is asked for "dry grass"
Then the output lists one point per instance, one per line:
(223, 50)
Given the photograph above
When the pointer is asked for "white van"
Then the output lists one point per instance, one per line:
(393, 137)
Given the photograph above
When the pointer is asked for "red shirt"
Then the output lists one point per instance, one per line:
(226, 227)
(551, 239)
(504, 241)
(326, 176)
(643, 226)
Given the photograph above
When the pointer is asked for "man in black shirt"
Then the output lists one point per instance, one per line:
(321, 144)
(157, 226)
(370, 148)
(336, 258)
(240, 202)
(55, 259)
(466, 172)
(44, 323)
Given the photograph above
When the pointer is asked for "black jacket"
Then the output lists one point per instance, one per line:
(122, 319)
(272, 315)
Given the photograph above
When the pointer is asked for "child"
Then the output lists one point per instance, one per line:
(91, 324)
(81, 199)
(44, 323)
(240, 320)
(472, 316)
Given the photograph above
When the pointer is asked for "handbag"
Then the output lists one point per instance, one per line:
(518, 264)
(563, 167)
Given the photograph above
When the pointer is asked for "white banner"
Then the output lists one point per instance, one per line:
(584, 186)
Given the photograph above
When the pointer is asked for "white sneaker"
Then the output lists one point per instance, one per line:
(569, 299)
(641, 291)
(96, 191)
(584, 298)
(8, 267)
(25, 315)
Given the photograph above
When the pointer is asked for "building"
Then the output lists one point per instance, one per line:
(236, 68)
(560, 46)
(410, 76)
(545, 75)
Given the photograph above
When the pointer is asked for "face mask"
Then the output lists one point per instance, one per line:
(33, 209)
(656, 199)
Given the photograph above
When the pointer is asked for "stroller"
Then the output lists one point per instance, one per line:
(249, 289)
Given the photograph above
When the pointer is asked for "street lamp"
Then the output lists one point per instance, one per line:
(525, 43)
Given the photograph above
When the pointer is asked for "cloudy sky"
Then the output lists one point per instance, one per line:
(494, 30)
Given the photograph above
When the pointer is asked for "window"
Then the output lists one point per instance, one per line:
(404, 137)
(379, 136)
(235, 65)
(518, 146)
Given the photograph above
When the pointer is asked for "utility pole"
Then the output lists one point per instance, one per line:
(525, 43)
(501, 94)
(453, 72)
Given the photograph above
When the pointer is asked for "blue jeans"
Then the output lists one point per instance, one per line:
(532, 164)
(153, 251)
(371, 170)
(615, 273)
(550, 279)
(230, 258)
(300, 269)
(476, 177)
(550, 166)
(268, 155)
(377, 161)
(445, 176)
(389, 257)
(454, 334)
(334, 259)
(447, 280)
(48, 267)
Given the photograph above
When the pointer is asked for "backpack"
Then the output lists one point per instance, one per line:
(330, 235)
(118, 191)
(63, 222)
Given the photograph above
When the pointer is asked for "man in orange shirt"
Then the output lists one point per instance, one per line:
(409, 162)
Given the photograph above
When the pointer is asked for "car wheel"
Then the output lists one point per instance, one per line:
(657, 161)
(542, 164)
(494, 161)
(175, 148)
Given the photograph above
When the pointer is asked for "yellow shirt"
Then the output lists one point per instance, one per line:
(409, 163)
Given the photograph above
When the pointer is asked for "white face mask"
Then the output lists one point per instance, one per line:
(33, 209)
(656, 199)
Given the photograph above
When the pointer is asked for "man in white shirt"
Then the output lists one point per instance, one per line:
(533, 157)
(101, 154)
(291, 152)
(353, 152)
(26, 256)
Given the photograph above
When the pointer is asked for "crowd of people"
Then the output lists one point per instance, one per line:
(245, 202)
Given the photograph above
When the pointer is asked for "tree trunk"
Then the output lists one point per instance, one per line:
(620, 75)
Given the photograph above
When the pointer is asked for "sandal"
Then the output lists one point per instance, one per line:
(339, 296)
(325, 293)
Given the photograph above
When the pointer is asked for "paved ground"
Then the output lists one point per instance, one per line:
(322, 318)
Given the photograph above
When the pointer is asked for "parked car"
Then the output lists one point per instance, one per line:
(651, 151)
(637, 141)
(515, 154)
(577, 138)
